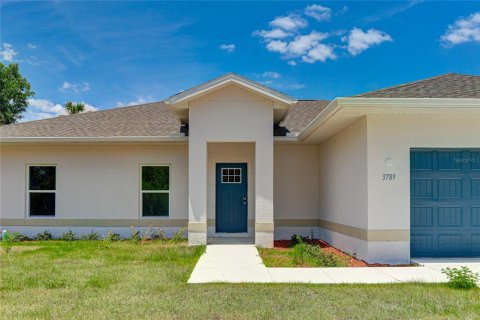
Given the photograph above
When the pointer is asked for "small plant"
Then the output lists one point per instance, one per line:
(153, 234)
(91, 236)
(43, 236)
(7, 244)
(179, 235)
(461, 278)
(68, 236)
(304, 253)
(297, 239)
(112, 236)
(16, 237)
(135, 235)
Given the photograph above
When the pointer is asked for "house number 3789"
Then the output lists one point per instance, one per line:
(389, 176)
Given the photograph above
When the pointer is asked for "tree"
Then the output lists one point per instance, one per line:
(74, 108)
(14, 93)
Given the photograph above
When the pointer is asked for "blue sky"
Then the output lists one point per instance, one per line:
(110, 54)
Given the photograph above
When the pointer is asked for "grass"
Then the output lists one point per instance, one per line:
(111, 280)
(291, 258)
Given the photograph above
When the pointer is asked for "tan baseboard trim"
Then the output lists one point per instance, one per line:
(197, 227)
(264, 227)
(54, 222)
(366, 234)
(355, 232)
(296, 222)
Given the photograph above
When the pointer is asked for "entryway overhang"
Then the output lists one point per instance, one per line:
(180, 102)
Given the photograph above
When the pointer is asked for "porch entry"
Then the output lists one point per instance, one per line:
(231, 198)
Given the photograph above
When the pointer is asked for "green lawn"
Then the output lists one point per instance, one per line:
(125, 280)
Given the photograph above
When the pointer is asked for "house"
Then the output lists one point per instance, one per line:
(386, 175)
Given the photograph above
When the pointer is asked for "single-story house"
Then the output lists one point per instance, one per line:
(385, 175)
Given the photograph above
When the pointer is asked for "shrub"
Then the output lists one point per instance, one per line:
(461, 278)
(153, 234)
(135, 235)
(16, 237)
(297, 239)
(68, 236)
(179, 235)
(45, 235)
(312, 254)
(112, 236)
(91, 236)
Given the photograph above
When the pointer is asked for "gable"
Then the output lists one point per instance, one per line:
(222, 87)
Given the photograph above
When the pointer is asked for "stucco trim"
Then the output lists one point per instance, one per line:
(264, 227)
(200, 227)
(95, 222)
(355, 232)
(366, 234)
(296, 222)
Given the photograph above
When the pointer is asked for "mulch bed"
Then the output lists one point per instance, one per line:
(351, 261)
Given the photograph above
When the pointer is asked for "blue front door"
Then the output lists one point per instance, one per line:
(445, 203)
(231, 197)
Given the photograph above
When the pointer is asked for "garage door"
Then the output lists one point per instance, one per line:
(445, 203)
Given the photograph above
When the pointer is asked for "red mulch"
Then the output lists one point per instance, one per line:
(352, 262)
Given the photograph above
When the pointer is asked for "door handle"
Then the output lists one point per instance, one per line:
(245, 199)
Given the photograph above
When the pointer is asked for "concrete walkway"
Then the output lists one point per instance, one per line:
(235, 263)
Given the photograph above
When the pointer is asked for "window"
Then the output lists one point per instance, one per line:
(155, 191)
(231, 175)
(41, 190)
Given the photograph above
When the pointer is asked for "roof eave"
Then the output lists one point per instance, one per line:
(406, 103)
(6, 140)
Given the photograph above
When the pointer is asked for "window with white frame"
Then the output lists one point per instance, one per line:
(41, 190)
(155, 191)
(232, 175)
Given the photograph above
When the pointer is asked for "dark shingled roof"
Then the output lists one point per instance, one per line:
(145, 120)
(450, 85)
(157, 120)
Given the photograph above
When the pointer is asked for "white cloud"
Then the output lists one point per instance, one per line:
(318, 12)
(7, 53)
(463, 30)
(272, 74)
(307, 47)
(75, 87)
(291, 22)
(292, 62)
(31, 46)
(359, 41)
(272, 34)
(320, 52)
(277, 46)
(301, 44)
(227, 47)
(43, 108)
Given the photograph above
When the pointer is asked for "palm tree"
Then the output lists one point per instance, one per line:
(74, 108)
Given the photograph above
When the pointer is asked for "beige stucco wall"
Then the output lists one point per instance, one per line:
(94, 181)
(343, 177)
(296, 182)
(359, 212)
(392, 137)
(230, 114)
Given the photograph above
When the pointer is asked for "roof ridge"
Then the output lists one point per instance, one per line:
(408, 83)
